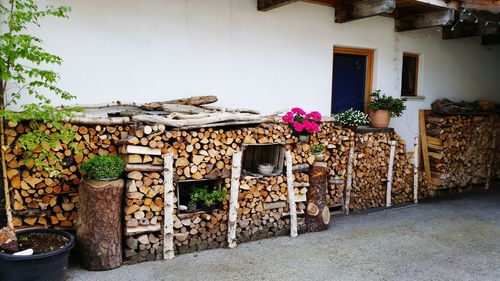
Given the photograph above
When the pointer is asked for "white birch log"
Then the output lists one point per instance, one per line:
(106, 121)
(181, 108)
(388, 197)
(350, 165)
(291, 195)
(233, 199)
(490, 162)
(416, 158)
(168, 208)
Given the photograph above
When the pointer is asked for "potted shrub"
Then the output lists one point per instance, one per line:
(383, 107)
(208, 200)
(44, 255)
(317, 151)
(302, 124)
(352, 118)
(98, 228)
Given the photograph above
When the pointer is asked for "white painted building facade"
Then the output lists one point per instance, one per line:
(157, 50)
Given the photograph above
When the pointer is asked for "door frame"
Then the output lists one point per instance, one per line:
(370, 55)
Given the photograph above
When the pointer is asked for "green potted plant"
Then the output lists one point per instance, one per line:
(352, 118)
(317, 151)
(383, 107)
(98, 228)
(208, 199)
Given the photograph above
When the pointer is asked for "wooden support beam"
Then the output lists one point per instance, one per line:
(388, 198)
(168, 208)
(350, 164)
(490, 39)
(291, 195)
(425, 20)
(266, 5)
(233, 199)
(362, 9)
(451, 4)
(416, 157)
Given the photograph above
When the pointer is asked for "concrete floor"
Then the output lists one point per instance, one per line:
(452, 239)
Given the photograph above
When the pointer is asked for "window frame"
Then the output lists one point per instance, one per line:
(417, 73)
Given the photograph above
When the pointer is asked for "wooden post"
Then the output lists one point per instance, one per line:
(416, 158)
(168, 207)
(388, 197)
(8, 210)
(349, 178)
(490, 162)
(233, 200)
(291, 195)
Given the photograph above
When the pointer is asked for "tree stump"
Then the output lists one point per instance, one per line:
(98, 228)
(317, 214)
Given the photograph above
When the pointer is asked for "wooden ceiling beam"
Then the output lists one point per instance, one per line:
(450, 4)
(468, 27)
(348, 11)
(490, 39)
(425, 20)
(266, 5)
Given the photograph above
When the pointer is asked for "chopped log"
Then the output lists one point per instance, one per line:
(316, 197)
(98, 228)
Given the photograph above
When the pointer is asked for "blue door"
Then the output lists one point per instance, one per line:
(349, 78)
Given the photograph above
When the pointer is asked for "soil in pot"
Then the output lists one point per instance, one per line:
(41, 242)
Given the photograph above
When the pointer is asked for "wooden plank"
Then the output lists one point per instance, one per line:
(435, 155)
(423, 138)
(267, 5)
(388, 198)
(143, 168)
(135, 149)
(233, 199)
(291, 195)
(434, 141)
(490, 39)
(425, 20)
(274, 205)
(168, 207)
(133, 230)
(415, 170)
(300, 198)
(362, 9)
(433, 146)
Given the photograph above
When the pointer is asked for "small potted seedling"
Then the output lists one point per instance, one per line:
(208, 200)
(317, 151)
(98, 228)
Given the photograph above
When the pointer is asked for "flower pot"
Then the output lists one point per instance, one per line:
(304, 138)
(98, 228)
(265, 169)
(318, 157)
(380, 118)
(39, 267)
(208, 209)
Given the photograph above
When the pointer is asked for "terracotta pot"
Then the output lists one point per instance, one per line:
(379, 118)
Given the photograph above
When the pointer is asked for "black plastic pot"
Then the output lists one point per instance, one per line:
(41, 267)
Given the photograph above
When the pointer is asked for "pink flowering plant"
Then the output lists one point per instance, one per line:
(302, 123)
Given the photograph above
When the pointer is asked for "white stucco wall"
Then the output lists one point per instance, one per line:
(154, 50)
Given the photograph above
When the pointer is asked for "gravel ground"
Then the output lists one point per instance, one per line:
(453, 239)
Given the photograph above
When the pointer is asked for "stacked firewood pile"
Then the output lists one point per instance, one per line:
(460, 148)
(143, 247)
(369, 188)
(42, 197)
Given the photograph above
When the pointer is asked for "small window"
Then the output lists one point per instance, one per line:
(410, 75)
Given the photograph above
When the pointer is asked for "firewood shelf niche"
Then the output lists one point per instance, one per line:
(255, 154)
